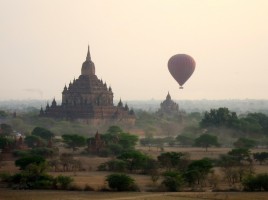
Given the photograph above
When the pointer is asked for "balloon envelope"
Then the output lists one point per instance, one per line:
(181, 67)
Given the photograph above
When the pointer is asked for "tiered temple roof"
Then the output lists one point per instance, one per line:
(88, 98)
(169, 106)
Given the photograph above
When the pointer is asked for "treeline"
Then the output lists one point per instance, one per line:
(222, 117)
(169, 171)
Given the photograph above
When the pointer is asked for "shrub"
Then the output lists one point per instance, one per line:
(117, 165)
(34, 141)
(197, 171)
(105, 152)
(102, 167)
(43, 151)
(43, 133)
(256, 183)
(4, 176)
(173, 181)
(250, 184)
(121, 182)
(64, 181)
(44, 181)
(26, 180)
(115, 149)
(25, 161)
(20, 153)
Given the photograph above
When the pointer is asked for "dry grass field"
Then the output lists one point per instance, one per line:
(195, 152)
(96, 179)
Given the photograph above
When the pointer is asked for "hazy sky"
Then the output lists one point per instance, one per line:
(43, 44)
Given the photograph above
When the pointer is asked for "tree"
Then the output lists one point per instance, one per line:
(173, 160)
(261, 157)
(115, 149)
(255, 122)
(135, 160)
(43, 133)
(64, 181)
(197, 171)
(114, 130)
(236, 165)
(230, 168)
(152, 168)
(220, 117)
(241, 155)
(256, 183)
(249, 125)
(127, 141)
(206, 141)
(74, 141)
(185, 140)
(115, 135)
(25, 161)
(3, 114)
(115, 165)
(173, 181)
(44, 151)
(262, 120)
(245, 143)
(121, 182)
(6, 129)
(33, 177)
(6, 142)
(66, 160)
(147, 141)
(34, 141)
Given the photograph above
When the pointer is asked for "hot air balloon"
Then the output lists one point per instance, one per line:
(181, 67)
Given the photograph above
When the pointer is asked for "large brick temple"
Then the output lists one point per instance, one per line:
(88, 99)
(168, 106)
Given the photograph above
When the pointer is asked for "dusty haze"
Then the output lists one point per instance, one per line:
(44, 43)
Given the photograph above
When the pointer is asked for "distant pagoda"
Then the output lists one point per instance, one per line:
(88, 99)
(168, 106)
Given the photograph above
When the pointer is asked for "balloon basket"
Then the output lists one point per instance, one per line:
(181, 87)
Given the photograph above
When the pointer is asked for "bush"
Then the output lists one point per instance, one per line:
(250, 183)
(4, 176)
(102, 167)
(20, 153)
(44, 181)
(25, 161)
(121, 182)
(34, 141)
(64, 181)
(43, 133)
(105, 152)
(117, 165)
(256, 183)
(43, 151)
(25, 180)
(173, 181)
(115, 149)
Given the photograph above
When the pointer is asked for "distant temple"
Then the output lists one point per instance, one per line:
(95, 144)
(168, 106)
(88, 99)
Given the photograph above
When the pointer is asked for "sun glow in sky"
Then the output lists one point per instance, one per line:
(44, 43)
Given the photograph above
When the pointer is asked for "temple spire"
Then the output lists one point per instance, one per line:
(168, 97)
(88, 54)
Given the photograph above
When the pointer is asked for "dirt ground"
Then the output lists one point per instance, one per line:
(6, 194)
